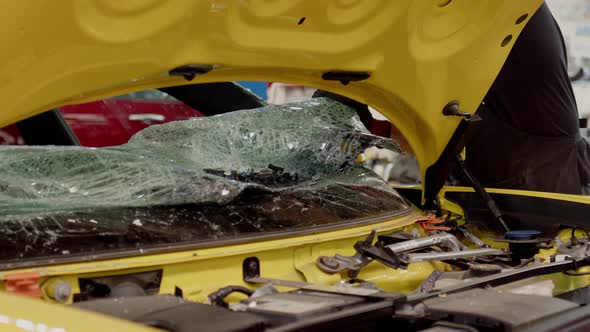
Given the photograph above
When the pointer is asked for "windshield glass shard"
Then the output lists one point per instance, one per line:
(279, 167)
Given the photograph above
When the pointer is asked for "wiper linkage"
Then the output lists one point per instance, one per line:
(400, 254)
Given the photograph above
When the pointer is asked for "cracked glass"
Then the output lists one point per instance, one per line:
(277, 168)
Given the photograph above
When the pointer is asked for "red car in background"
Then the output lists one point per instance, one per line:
(113, 121)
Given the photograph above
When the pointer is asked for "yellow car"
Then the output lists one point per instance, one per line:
(264, 219)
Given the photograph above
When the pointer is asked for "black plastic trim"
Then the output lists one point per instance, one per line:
(215, 98)
(346, 77)
(575, 320)
(189, 72)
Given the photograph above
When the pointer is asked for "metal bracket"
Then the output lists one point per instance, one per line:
(366, 252)
(396, 255)
(251, 274)
(437, 173)
(442, 256)
(452, 108)
(505, 277)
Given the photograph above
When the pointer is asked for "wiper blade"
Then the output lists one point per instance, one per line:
(271, 176)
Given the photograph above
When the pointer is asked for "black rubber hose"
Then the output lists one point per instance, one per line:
(218, 297)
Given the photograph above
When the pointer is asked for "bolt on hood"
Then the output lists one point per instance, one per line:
(410, 58)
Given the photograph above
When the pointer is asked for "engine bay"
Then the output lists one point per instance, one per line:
(510, 286)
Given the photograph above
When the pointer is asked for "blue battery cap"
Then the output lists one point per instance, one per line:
(522, 235)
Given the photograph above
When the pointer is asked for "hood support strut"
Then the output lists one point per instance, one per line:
(437, 174)
(481, 191)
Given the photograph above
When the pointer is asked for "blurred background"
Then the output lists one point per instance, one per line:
(573, 17)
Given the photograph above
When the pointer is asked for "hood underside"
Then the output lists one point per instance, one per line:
(407, 59)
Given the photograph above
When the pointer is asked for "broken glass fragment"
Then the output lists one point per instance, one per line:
(279, 167)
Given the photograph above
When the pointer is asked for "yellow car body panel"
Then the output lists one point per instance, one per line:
(199, 272)
(420, 54)
(202, 271)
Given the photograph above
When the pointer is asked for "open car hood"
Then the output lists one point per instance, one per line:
(408, 59)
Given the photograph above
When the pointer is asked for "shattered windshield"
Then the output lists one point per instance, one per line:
(276, 168)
